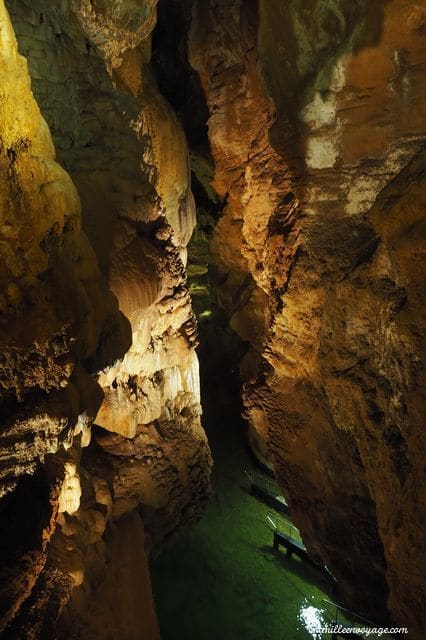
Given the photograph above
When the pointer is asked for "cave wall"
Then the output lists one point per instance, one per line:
(100, 405)
(317, 130)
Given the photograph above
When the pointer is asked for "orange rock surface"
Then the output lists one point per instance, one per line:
(317, 125)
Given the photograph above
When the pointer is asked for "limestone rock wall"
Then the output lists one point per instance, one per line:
(317, 128)
(117, 26)
(54, 309)
(97, 327)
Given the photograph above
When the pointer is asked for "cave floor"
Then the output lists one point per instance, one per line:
(222, 580)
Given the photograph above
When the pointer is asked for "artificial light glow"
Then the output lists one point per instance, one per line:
(312, 619)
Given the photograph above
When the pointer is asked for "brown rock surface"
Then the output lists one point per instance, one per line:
(117, 26)
(317, 130)
(315, 115)
(63, 333)
(126, 583)
(54, 308)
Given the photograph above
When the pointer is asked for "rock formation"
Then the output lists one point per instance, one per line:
(306, 122)
(97, 327)
(317, 129)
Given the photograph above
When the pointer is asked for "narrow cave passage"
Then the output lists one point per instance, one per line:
(241, 258)
(222, 579)
(212, 258)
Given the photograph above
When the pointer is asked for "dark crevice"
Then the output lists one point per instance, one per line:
(177, 80)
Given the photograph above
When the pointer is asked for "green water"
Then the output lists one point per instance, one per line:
(222, 580)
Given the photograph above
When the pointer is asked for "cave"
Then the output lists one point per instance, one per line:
(212, 319)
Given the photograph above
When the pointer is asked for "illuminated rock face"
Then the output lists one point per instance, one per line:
(316, 119)
(117, 26)
(97, 326)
